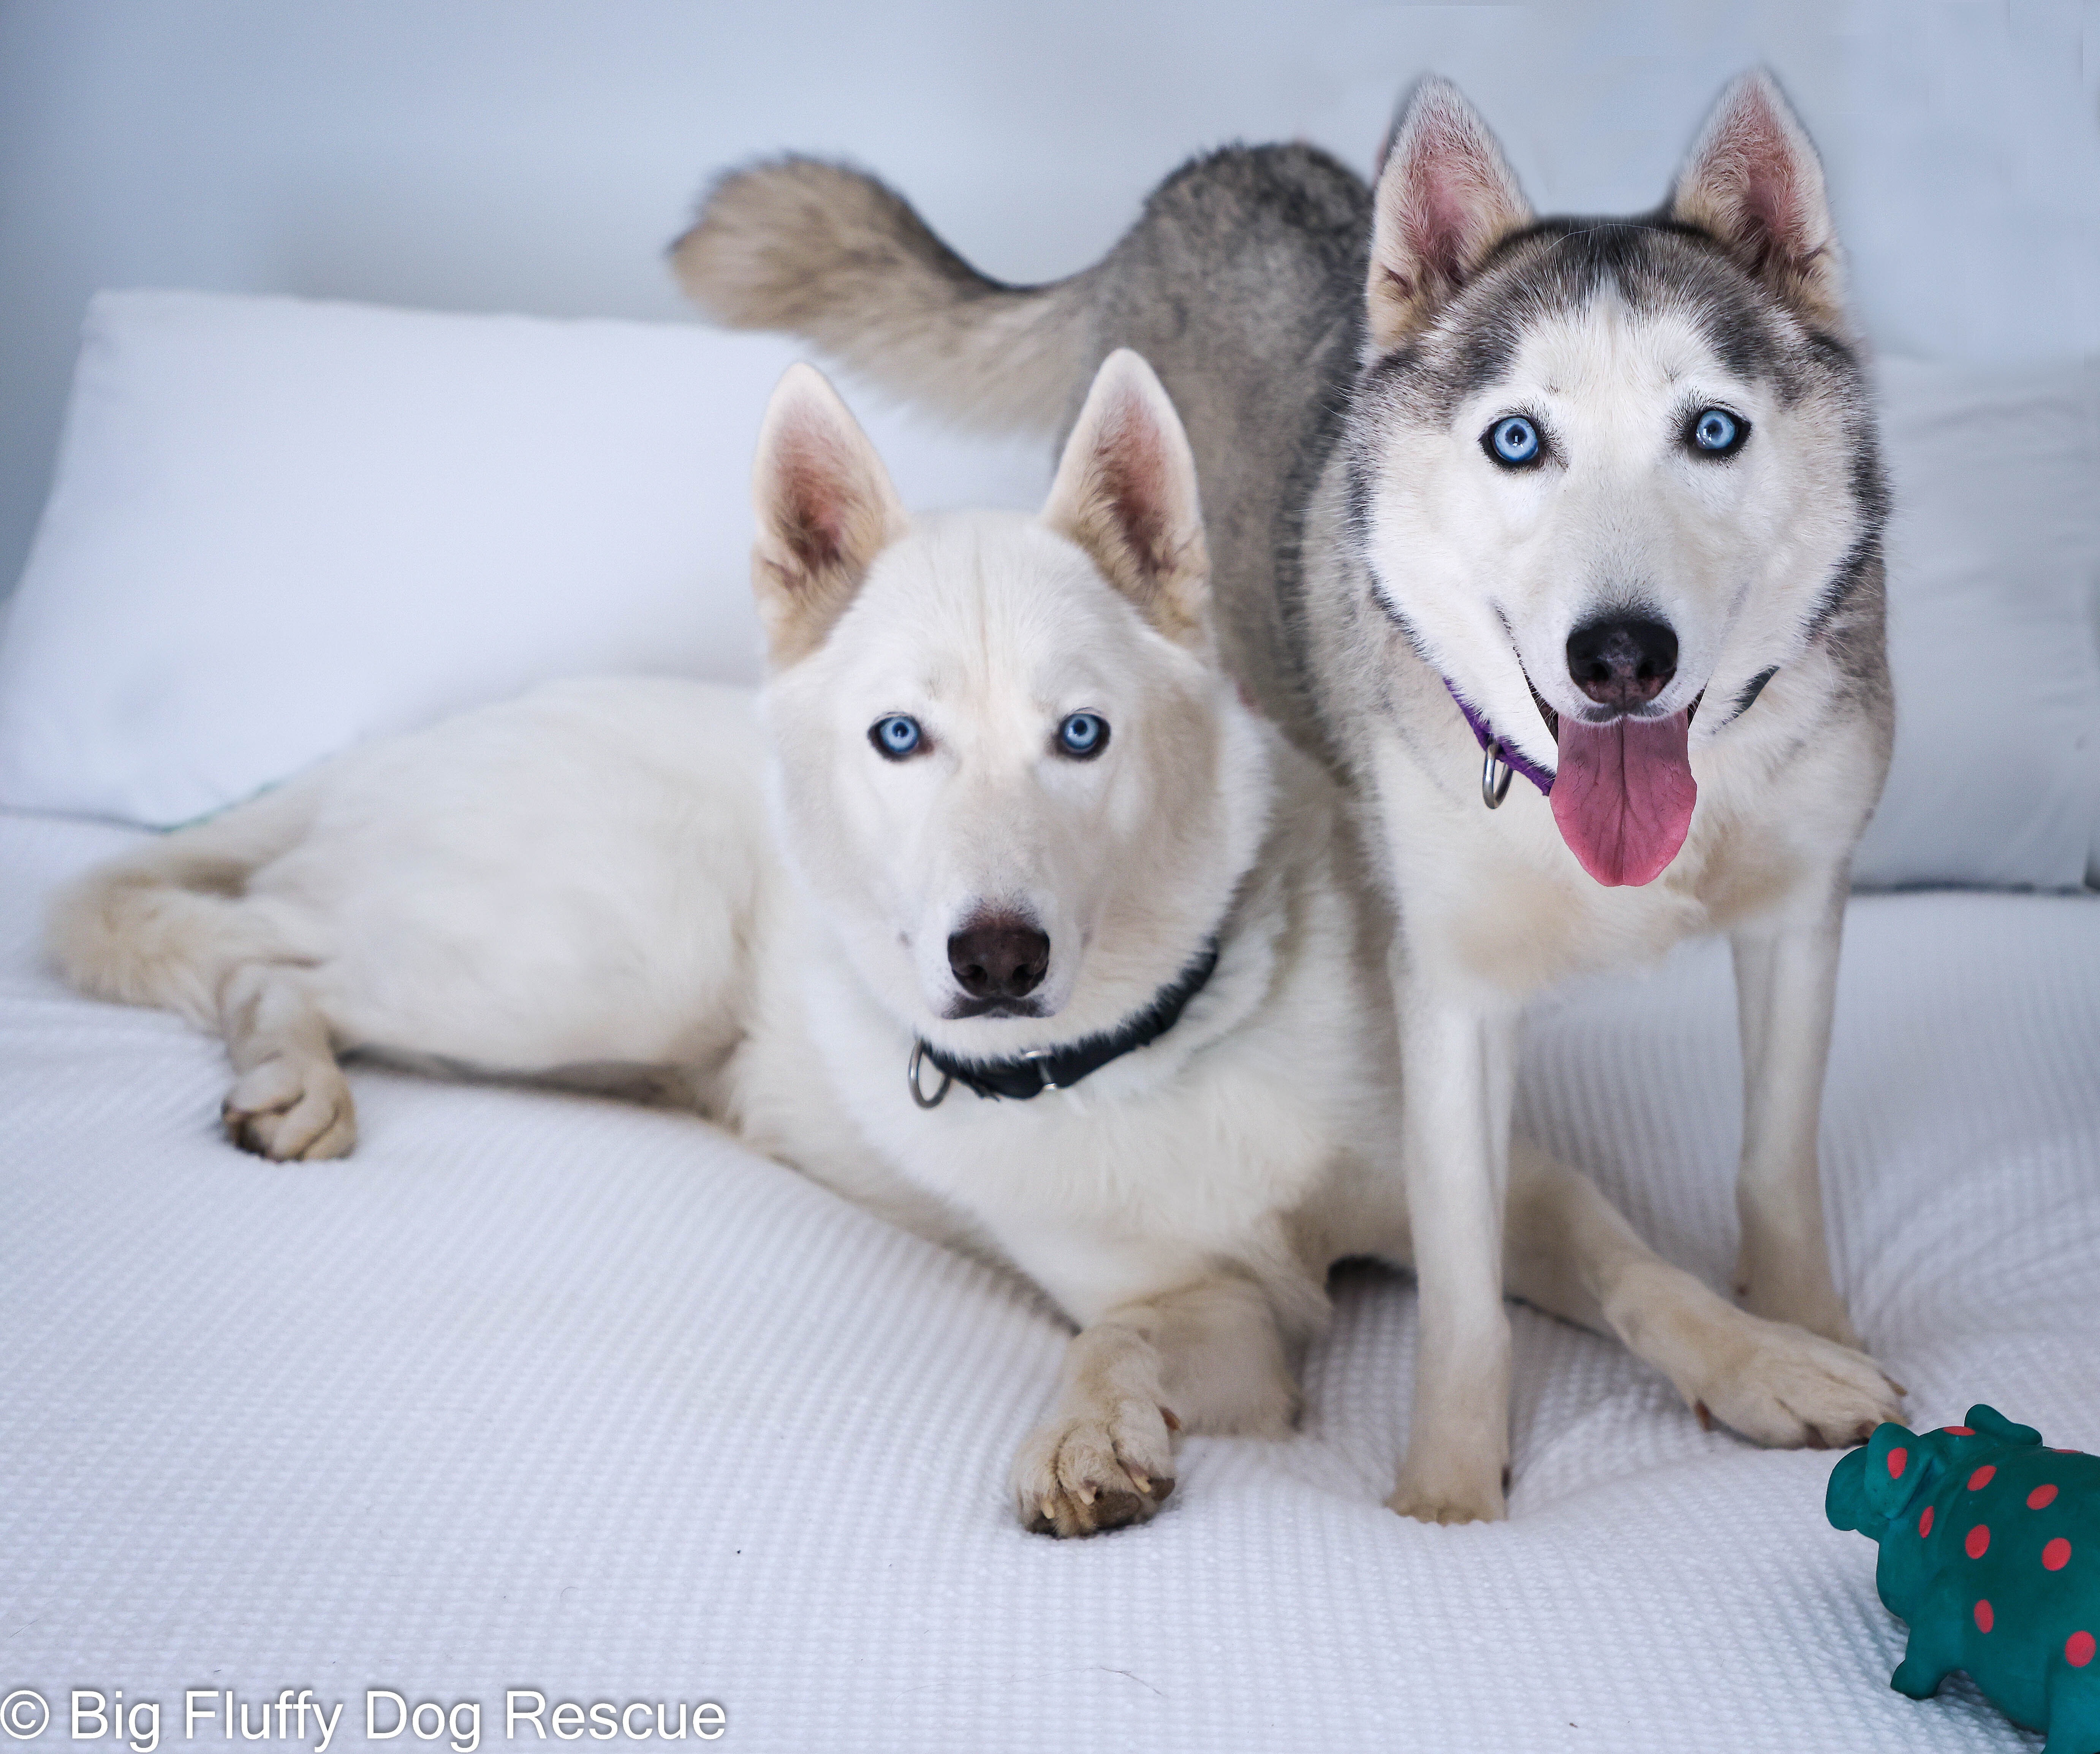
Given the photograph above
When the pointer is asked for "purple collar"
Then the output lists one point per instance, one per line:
(1514, 758)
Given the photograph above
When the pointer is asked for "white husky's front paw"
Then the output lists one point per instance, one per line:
(1788, 1389)
(1080, 1472)
(291, 1106)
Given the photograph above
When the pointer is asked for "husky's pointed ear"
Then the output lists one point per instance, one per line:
(1126, 492)
(1445, 197)
(826, 509)
(1754, 182)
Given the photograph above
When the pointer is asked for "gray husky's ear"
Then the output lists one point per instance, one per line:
(1445, 197)
(1754, 181)
(1126, 492)
(826, 510)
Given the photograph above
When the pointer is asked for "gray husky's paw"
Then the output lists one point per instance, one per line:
(1788, 1389)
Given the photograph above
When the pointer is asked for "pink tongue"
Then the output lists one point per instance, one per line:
(1623, 795)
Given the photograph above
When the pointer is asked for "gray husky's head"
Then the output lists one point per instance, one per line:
(1610, 475)
(1014, 774)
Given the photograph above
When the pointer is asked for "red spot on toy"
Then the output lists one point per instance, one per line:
(1982, 1477)
(1977, 1544)
(2057, 1555)
(2041, 1498)
(1897, 1459)
(1984, 1616)
(1957, 1431)
(2078, 1650)
(1925, 1523)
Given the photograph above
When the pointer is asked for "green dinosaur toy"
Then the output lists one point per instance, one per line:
(1990, 1550)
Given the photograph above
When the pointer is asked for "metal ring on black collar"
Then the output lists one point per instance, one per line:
(1495, 787)
(911, 1078)
(1040, 1059)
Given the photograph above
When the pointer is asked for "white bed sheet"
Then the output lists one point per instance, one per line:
(537, 1391)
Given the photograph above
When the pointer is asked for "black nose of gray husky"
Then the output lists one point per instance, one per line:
(998, 955)
(1624, 663)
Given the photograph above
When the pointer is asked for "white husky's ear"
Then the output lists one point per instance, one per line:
(826, 509)
(1126, 492)
(1445, 197)
(1754, 181)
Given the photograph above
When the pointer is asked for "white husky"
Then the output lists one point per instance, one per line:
(1047, 946)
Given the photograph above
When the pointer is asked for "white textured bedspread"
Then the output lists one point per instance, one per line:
(541, 1393)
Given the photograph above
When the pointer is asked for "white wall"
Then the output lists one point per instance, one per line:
(535, 155)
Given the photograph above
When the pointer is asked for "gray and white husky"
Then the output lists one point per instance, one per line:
(1592, 501)
(1046, 945)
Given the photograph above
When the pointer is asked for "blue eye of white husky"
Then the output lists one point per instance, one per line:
(895, 736)
(1512, 441)
(1715, 432)
(1083, 736)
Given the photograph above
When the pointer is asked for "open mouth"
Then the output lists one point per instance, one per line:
(1622, 791)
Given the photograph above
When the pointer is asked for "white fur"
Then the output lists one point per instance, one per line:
(593, 883)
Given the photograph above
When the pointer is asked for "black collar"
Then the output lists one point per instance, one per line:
(1030, 1074)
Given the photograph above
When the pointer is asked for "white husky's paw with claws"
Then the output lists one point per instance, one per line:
(1102, 1468)
(291, 1106)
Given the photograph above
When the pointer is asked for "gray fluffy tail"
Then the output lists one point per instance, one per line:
(165, 925)
(830, 255)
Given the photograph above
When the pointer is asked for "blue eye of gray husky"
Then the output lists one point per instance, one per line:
(896, 736)
(1715, 432)
(1513, 442)
(1083, 736)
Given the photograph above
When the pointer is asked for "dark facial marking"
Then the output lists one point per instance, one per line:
(1870, 497)
(1385, 608)
(1751, 689)
(1859, 560)
(1558, 266)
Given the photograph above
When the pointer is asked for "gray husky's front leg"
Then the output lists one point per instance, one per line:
(1457, 1073)
(1786, 984)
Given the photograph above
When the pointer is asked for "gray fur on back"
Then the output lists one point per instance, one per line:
(1242, 284)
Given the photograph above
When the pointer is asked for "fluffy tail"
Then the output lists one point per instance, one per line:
(165, 925)
(830, 255)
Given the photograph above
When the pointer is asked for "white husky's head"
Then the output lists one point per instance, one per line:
(1012, 773)
(1611, 474)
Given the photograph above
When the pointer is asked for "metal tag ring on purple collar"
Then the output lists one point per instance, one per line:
(1498, 750)
(1495, 777)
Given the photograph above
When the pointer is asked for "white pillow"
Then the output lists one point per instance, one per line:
(1994, 626)
(280, 527)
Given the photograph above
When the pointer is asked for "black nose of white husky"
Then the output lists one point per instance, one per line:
(998, 955)
(1623, 663)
